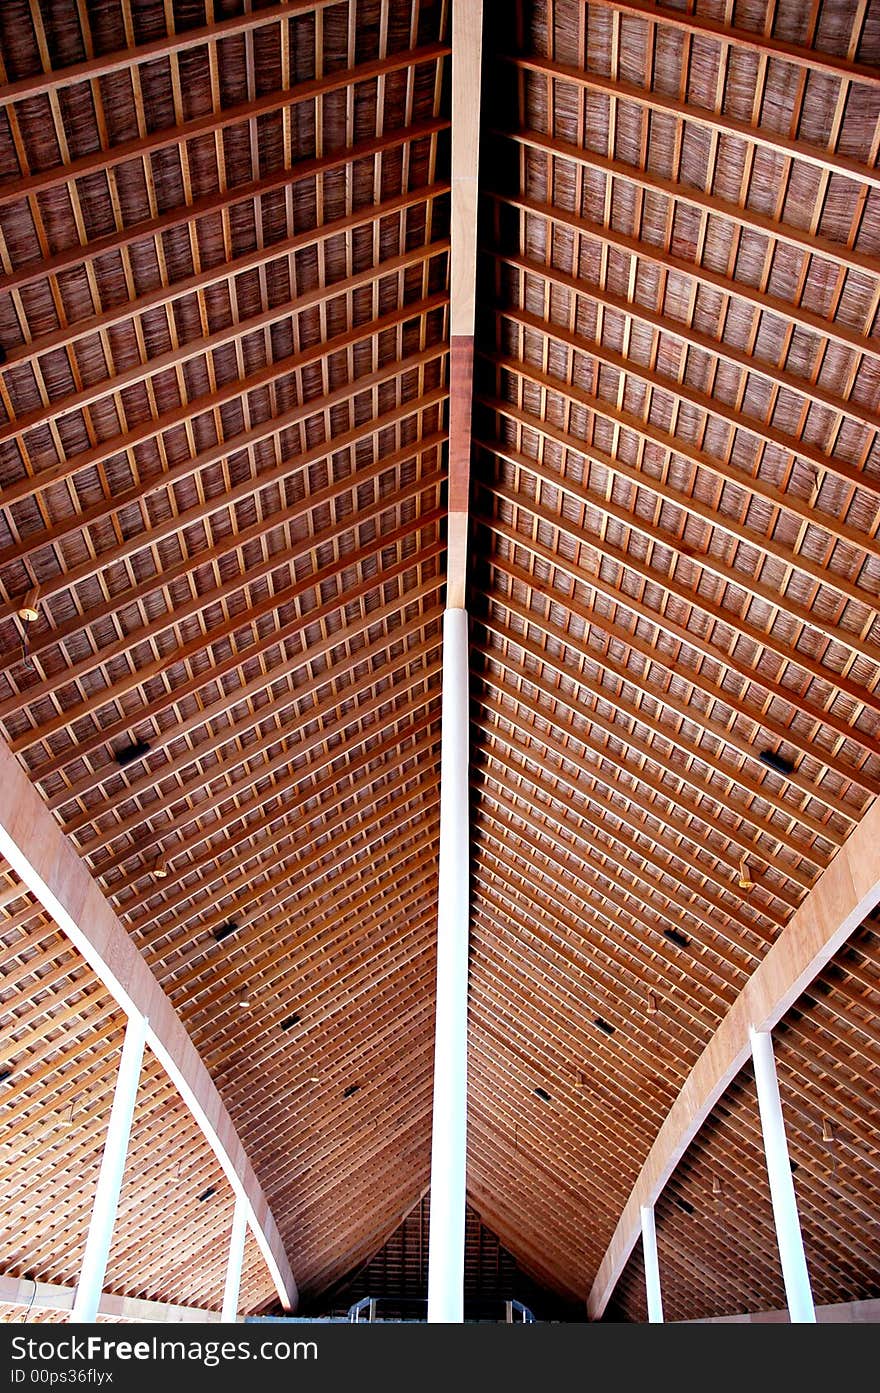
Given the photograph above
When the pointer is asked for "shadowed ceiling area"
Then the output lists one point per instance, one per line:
(224, 470)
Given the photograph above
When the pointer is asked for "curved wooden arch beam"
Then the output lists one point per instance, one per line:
(467, 52)
(44, 859)
(842, 897)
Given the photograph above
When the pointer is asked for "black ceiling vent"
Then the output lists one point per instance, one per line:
(604, 1025)
(351, 1090)
(226, 929)
(776, 762)
(794, 1166)
(206, 1194)
(679, 939)
(5, 1075)
(129, 753)
(543, 1095)
(685, 1205)
(290, 1021)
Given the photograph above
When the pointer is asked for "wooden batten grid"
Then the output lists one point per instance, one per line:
(303, 339)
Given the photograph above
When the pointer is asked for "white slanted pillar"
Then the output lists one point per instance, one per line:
(449, 1141)
(652, 1266)
(233, 1266)
(788, 1229)
(91, 1277)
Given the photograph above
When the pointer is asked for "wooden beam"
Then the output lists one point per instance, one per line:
(42, 856)
(841, 899)
(807, 243)
(665, 323)
(717, 520)
(700, 644)
(698, 26)
(32, 185)
(124, 59)
(220, 274)
(762, 637)
(233, 332)
(210, 204)
(618, 89)
(762, 300)
(467, 51)
(52, 1296)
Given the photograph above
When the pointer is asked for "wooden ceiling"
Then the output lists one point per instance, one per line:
(224, 320)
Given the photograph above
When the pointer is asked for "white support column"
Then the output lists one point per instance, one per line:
(449, 1138)
(652, 1266)
(233, 1266)
(94, 1265)
(788, 1230)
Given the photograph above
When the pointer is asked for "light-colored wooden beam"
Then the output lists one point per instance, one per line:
(839, 902)
(122, 60)
(41, 855)
(805, 242)
(467, 51)
(151, 229)
(699, 26)
(762, 300)
(618, 89)
(52, 1296)
(32, 185)
(706, 645)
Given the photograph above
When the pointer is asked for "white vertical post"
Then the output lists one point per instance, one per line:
(788, 1230)
(233, 1266)
(449, 1136)
(652, 1266)
(94, 1265)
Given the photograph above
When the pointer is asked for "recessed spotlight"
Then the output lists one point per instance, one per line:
(313, 1078)
(244, 1002)
(776, 761)
(651, 1004)
(827, 1129)
(679, 939)
(127, 754)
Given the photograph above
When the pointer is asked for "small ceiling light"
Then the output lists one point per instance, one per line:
(127, 754)
(313, 1078)
(244, 1002)
(160, 868)
(777, 762)
(651, 1004)
(827, 1129)
(679, 939)
(226, 929)
(29, 606)
(717, 1187)
(543, 1095)
(745, 880)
